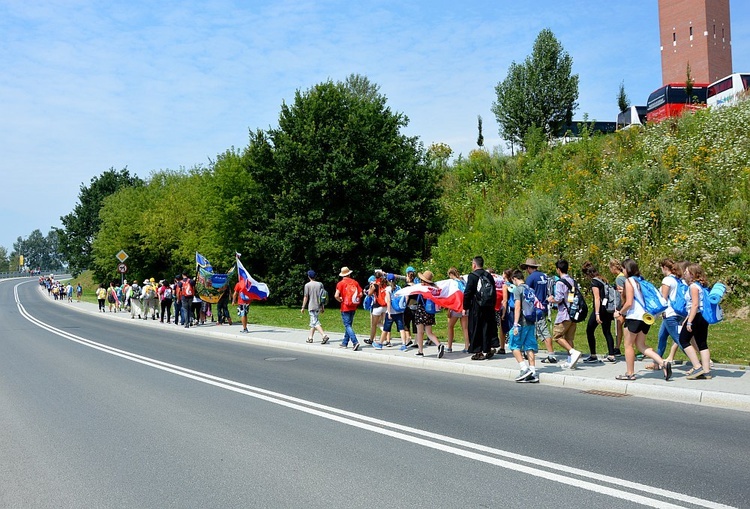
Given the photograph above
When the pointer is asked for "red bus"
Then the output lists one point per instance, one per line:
(672, 100)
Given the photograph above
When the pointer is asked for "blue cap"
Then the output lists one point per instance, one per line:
(311, 274)
(371, 279)
(390, 277)
(410, 269)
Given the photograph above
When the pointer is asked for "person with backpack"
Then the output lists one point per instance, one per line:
(537, 281)
(479, 305)
(177, 299)
(376, 298)
(411, 305)
(424, 317)
(673, 288)
(615, 267)
(395, 307)
(604, 308)
(502, 334)
(522, 338)
(134, 297)
(565, 296)
(165, 300)
(695, 325)
(348, 293)
(455, 317)
(112, 297)
(311, 299)
(148, 293)
(632, 314)
(187, 293)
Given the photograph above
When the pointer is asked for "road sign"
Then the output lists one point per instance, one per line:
(122, 256)
(122, 268)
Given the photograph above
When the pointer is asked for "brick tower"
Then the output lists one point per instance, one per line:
(695, 32)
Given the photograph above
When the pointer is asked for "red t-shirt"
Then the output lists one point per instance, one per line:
(351, 294)
(241, 298)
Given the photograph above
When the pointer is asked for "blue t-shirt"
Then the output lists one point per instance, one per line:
(538, 281)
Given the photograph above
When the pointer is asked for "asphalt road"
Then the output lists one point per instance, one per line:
(98, 413)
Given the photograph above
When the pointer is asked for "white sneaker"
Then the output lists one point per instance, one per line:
(565, 365)
(575, 355)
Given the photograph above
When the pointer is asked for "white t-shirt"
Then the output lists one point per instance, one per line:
(689, 297)
(636, 311)
(671, 282)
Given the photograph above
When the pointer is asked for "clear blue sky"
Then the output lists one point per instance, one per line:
(88, 85)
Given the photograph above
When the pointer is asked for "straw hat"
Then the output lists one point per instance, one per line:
(345, 271)
(426, 276)
(530, 262)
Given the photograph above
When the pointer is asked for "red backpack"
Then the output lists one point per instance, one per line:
(187, 288)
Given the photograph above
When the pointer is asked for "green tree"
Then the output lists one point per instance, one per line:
(622, 98)
(160, 225)
(542, 92)
(337, 184)
(38, 250)
(4, 260)
(81, 226)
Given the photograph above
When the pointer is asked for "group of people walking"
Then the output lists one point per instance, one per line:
(517, 309)
(163, 300)
(512, 309)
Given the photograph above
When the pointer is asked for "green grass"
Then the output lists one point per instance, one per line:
(725, 339)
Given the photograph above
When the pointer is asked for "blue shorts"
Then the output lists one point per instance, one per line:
(525, 340)
(397, 318)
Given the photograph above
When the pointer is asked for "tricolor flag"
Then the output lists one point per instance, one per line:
(445, 293)
(253, 290)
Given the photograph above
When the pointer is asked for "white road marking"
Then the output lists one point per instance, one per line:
(443, 443)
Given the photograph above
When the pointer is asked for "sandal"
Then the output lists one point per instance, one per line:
(477, 357)
(667, 367)
(309, 340)
(625, 377)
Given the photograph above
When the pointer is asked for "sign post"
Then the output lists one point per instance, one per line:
(122, 268)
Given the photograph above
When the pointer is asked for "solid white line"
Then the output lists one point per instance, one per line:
(398, 431)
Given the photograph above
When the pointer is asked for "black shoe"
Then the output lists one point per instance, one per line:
(549, 360)
(617, 352)
(501, 351)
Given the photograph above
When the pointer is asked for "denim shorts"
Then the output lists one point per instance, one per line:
(314, 318)
(525, 340)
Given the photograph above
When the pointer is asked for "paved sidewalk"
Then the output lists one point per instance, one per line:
(729, 387)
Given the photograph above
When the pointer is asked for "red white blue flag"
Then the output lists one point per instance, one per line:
(252, 289)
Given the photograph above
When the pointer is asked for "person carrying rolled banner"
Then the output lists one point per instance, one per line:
(635, 318)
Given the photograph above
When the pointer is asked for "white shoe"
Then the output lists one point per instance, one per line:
(575, 356)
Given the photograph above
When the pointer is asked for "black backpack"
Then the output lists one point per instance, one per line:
(576, 304)
(486, 290)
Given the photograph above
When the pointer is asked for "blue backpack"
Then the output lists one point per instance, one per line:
(653, 301)
(368, 302)
(531, 313)
(679, 304)
(712, 313)
(398, 303)
(511, 297)
(429, 307)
